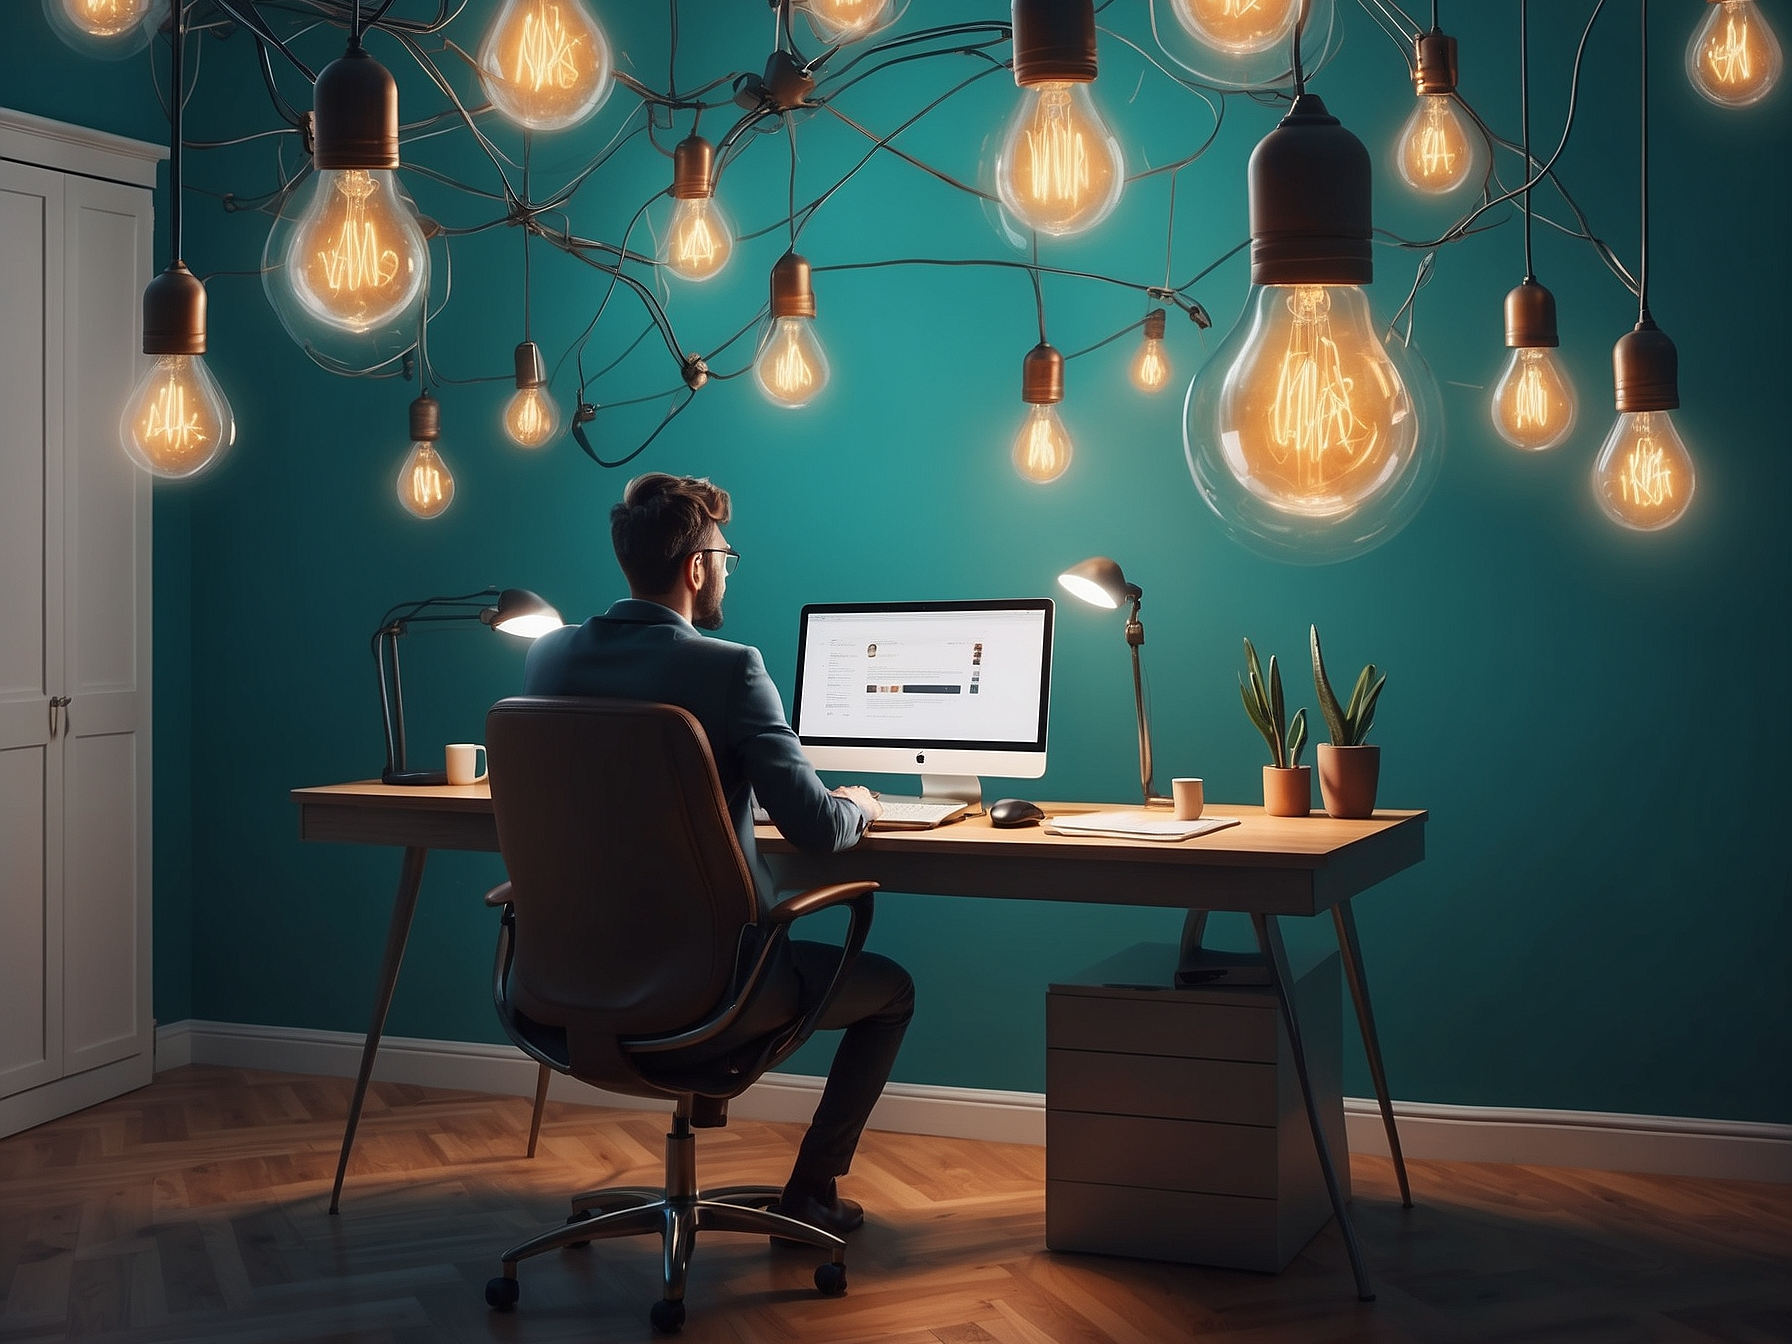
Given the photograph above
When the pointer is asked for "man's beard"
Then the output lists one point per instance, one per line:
(708, 615)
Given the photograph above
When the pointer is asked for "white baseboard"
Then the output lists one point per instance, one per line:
(1661, 1145)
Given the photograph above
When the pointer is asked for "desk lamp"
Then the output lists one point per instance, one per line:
(1099, 582)
(517, 612)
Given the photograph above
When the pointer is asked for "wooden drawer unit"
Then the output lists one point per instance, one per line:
(1174, 1127)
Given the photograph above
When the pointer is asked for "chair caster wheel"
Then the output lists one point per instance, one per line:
(830, 1279)
(583, 1216)
(667, 1316)
(502, 1293)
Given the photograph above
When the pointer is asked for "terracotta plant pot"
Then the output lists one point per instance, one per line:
(1288, 793)
(1347, 779)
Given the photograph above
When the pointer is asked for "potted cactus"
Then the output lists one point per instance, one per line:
(1287, 784)
(1349, 768)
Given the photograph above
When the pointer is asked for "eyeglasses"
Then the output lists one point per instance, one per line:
(730, 562)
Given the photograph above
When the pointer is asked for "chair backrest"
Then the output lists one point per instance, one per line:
(629, 885)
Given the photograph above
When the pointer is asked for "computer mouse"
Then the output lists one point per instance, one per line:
(1009, 812)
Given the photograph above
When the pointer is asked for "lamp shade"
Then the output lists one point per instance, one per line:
(1099, 582)
(523, 613)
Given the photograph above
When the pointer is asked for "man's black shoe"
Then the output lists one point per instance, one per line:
(828, 1211)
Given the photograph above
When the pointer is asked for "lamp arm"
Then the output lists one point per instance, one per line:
(1135, 638)
(401, 612)
(385, 651)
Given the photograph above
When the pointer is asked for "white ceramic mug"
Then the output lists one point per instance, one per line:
(1189, 797)
(463, 763)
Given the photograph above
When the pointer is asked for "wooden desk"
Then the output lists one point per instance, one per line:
(1266, 867)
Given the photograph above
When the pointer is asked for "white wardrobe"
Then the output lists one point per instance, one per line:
(75, 839)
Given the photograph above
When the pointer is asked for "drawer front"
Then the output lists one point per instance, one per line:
(1180, 1155)
(1161, 1027)
(1221, 1090)
(1188, 1229)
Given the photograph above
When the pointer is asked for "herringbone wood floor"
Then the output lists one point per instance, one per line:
(194, 1210)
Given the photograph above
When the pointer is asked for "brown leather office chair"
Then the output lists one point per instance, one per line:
(630, 950)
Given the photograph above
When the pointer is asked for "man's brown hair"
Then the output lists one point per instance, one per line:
(661, 520)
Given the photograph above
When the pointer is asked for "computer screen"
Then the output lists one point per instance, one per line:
(935, 688)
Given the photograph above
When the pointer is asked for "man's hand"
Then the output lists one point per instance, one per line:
(866, 799)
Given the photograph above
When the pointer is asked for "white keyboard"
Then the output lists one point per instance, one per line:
(916, 813)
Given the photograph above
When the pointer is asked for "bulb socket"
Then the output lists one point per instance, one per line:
(1054, 42)
(1311, 196)
(174, 313)
(1646, 370)
(787, 82)
(792, 293)
(1042, 376)
(426, 419)
(355, 121)
(1434, 62)
(693, 169)
(1154, 324)
(530, 370)
(1531, 317)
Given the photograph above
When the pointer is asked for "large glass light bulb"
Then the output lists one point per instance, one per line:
(1643, 477)
(177, 422)
(425, 487)
(1059, 170)
(1151, 366)
(531, 418)
(1238, 27)
(1438, 153)
(1534, 403)
(106, 18)
(545, 64)
(1311, 438)
(109, 29)
(357, 259)
(698, 242)
(1042, 449)
(837, 21)
(791, 366)
(1733, 58)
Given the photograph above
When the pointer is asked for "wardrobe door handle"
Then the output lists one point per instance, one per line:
(61, 702)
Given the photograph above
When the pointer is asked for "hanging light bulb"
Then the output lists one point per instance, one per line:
(1643, 477)
(424, 486)
(1534, 404)
(1238, 27)
(545, 64)
(1311, 437)
(1042, 448)
(530, 417)
(698, 241)
(1437, 151)
(176, 421)
(1151, 366)
(841, 21)
(109, 29)
(791, 366)
(346, 264)
(1059, 169)
(1733, 57)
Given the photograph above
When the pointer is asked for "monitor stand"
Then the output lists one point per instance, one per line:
(966, 789)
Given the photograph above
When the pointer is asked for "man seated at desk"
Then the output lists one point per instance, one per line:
(668, 540)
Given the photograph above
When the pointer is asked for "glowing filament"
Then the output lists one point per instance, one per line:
(356, 259)
(545, 53)
(169, 426)
(1150, 370)
(1059, 170)
(105, 18)
(531, 418)
(791, 366)
(1648, 477)
(1057, 157)
(1644, 476)
(1436, 152)
(791, 373)
(176, 422)
(1311, 416)
(545, 64)
(1729, 57)
(1042, 449)
(1237, 27)
(425, 487)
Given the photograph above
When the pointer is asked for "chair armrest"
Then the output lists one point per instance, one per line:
(808, 902)
(498, 895)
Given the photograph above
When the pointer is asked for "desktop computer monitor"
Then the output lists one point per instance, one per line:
(946, 690)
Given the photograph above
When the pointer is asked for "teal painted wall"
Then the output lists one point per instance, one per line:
(1595, 719)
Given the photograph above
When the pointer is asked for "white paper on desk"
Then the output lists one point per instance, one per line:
(1135, 825)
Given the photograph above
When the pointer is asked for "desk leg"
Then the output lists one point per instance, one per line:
(1269, 940)
(404, 905)
(1359, 992)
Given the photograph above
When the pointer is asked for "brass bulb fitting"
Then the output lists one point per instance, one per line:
(1646, 370)
(1311, 199)
(1042, 376)
(174, 313)
(531, 371)
(1054, 42)
(693, 169)
(1531, 317)
(1154, 324)
(792, 293)
(426, 419)
(1434, 62)
(355, 122)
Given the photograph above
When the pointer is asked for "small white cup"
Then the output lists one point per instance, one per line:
(1189, 797)
(463, 763)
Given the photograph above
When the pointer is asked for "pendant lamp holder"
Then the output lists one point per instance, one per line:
(426, 419)
(1042, 376)
(693, 169)
(1434, 62)
(793, 294)
(174, 313)
(355, 124)
(1155, 322)
(1311, 199)
(1531, 317)
(1646, 370)
(531, 370)
(1054, 42)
